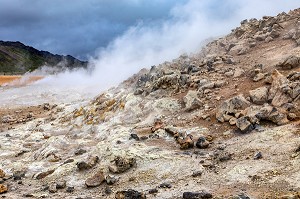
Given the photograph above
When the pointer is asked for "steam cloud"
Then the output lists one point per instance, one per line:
(144, 45)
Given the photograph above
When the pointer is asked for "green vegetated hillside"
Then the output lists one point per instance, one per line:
(17, 58)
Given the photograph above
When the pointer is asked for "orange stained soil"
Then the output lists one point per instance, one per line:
(17, 81)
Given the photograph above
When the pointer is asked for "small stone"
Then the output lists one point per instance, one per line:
(197, 195)
(289, 196)
(144, 138)
(258, 156)
(122, 164)
(202, 143)
(225, 157)
(95, 180)
(45, 188)
(268, 39)
(118, 142)
(242, 196)
(292, 116)
(70, 189)
(19, 175)
(90, 163)
(61, 184)
(244, 124)
(153, 191)
(186, 142)
(2, 173)
(197, 173)
(259, 77)
(110, 180)
(44, 174)
(130, 194)
(134, 136)
(80, 152)
(229, 74)
(52, 188)
(28, 195)
(68, 161)
(297, 149)
(232, 121)
(108, 190)
(165, 185)
(3, 188)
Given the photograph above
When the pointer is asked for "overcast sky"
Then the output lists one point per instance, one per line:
(76, 27)
(79, 27)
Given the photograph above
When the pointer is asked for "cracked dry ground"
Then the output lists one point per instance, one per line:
(223, 123)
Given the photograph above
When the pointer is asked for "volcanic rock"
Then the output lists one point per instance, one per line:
(165, 185)
(110, 180)
(202, 143)
(70, 189)
(186, 143)
(61, 184)
(3, 188)
(197, 195)
(192, 101)
(231, 107)
(90, 163)
(279, 90)
(290, 63)
(258, 155)
(2, 173)
(44, 174)
(122, 164)
(52, 188)
(259, 95)
(130, 194)
(244, 124)
(95, 180)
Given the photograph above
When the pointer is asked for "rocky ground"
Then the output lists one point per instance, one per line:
(222, 123)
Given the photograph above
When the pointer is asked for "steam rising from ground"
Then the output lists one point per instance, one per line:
(145, 45)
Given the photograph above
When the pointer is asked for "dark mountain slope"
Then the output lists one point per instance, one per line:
(17, 58)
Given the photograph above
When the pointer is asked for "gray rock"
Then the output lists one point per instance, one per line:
(192, 101)
(70, 189)
(202, 143)
(244, 124)
(197, 195)
(52, 188)
(259, 95)
(61, 184)
(290, 63)
(80, 152)
(90, 163)
(258, 155)
(165, 185)
(231, 107)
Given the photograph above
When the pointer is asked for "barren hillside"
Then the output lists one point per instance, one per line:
(221, 123)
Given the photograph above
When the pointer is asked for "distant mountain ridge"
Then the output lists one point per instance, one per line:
(17, 58)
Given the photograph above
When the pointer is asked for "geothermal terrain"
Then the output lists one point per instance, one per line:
(221, 123)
